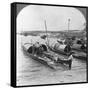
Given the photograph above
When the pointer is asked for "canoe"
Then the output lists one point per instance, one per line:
(47, 60)
(78, 49)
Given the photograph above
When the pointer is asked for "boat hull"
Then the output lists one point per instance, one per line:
(51, 64)
(78, 56)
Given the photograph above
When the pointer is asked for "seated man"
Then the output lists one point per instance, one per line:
(37, 45)
(32, 49)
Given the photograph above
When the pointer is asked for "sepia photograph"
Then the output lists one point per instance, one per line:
(51, 44)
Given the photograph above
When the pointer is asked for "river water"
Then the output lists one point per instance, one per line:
(30, 72)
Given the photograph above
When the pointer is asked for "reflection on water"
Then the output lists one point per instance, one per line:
(31, 72)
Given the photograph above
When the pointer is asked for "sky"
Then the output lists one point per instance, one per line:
(33, 17)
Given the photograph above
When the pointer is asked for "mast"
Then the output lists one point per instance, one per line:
(68, 24)
(46, 32)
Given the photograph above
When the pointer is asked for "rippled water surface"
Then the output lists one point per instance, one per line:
(31, 72)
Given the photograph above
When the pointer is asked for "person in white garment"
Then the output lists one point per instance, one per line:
(70, 59)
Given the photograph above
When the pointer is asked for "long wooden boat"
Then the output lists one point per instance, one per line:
(77, 47)
(47, 60)
(78, 55)
(80, 50)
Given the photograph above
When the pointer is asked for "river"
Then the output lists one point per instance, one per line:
(30, 72)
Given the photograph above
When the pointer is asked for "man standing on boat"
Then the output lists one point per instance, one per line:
(66, 61)
(70, 59)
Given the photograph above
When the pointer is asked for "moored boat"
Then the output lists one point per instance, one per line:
(78, 55)
(48, 59)
(79, 49)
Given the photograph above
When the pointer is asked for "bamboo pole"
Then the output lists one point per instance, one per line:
(68, 24)
(46, 32)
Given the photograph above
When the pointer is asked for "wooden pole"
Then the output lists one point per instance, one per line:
(46, 32)
(68, 24)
